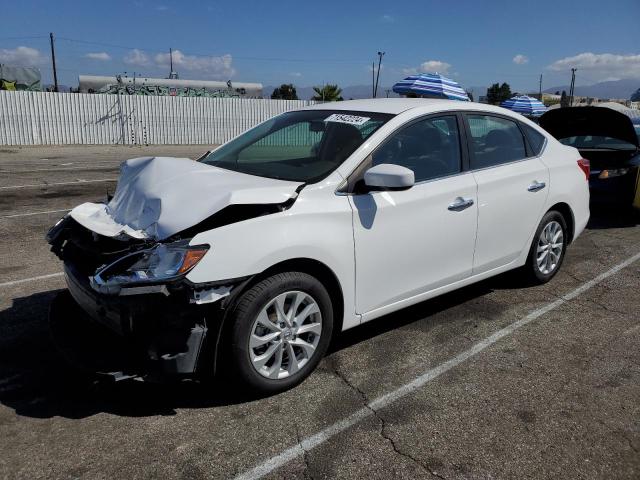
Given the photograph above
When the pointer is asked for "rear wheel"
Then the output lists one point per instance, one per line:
(547, 249)
(280, 329)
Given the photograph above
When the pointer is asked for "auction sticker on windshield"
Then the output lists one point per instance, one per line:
(350, 119)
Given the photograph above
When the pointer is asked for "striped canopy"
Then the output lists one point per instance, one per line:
(431, 85)
(525, 105)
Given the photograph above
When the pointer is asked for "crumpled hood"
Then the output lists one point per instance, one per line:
(157, 197)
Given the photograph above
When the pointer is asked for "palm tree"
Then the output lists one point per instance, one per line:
(327, 93)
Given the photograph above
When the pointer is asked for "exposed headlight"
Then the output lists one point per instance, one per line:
(617, 172)
(158, 264)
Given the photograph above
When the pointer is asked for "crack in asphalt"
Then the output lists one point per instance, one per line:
(383, 424)
(633, 447)
(305, 456)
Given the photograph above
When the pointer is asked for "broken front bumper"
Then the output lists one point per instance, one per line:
(142, 335)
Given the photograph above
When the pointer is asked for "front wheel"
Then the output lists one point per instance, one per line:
(280, 329)
(547, 249)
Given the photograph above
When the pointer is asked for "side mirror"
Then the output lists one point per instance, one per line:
(387, 176)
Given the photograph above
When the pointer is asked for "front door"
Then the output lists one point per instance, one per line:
(412, 241)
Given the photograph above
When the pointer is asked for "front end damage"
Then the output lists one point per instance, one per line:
(143, 327)
(130, 309)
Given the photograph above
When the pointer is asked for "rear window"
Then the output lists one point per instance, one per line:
(596, 142)
(494, 141)
(535, 138)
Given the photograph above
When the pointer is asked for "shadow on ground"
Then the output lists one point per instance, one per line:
(607, 216)
(35, 381)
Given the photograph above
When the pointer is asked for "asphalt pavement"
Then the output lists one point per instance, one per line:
(497, 380)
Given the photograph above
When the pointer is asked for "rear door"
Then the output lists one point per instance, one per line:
(512, 189)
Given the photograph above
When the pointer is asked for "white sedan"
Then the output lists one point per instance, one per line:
(247, 261)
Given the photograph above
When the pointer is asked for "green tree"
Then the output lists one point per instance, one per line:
(327, 93)
(497, 93)
(286, 91)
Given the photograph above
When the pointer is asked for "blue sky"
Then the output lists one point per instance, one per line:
(307, 43)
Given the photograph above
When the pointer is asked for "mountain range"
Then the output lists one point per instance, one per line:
(611, 89)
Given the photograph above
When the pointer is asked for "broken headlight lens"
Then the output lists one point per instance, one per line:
(160, 263)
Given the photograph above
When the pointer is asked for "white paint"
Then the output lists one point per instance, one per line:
(414, 240)
(32, 279)
(379, 403)
(93, 119)
(504, 200)
(157, 197)
(41, 185)
(16, 215)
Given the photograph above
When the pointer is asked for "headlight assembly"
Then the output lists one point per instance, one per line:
(161, 263)
(611, 173)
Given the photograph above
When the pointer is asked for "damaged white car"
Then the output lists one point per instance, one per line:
(246, 261)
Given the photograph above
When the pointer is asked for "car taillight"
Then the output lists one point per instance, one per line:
(584, 165)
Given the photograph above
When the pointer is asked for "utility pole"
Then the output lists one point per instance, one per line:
(375, 90)
(53, 62)
(373, 79)
(172, 74)
(540, 89)
(573, 84)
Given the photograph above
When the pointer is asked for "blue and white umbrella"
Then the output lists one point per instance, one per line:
(431, 85)
(525, 105)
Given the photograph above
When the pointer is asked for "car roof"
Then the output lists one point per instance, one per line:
(398, 105)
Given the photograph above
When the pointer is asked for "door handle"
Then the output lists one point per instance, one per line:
(536, 185)
(460, 204)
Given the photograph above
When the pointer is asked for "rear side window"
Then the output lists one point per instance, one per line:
(494, 141)
(429, 147)
(536, 139)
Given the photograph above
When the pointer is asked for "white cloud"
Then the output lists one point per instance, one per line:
(520, 59)
(102, 56)
(216, 67)
(430, 66)
(21, 56)
(162, 8)
(296, 74)
(137, 58)
(386, 18)
(598, 67)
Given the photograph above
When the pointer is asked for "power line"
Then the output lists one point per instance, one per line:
(30, 37)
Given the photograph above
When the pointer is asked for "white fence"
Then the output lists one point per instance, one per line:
(42, 118)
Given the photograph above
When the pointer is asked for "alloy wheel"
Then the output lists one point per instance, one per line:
(285, 335)
(550, 247)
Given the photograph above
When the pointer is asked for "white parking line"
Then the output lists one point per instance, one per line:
(15, 215)
(57, 184)
(32, 279)
(325, 435)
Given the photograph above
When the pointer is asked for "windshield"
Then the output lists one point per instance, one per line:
(595, 142)
(303, 146)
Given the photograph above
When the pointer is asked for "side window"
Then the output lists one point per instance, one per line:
(536, 139)
(494, 141)
(430, 147)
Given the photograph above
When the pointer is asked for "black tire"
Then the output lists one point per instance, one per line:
(530, 270)
(236, 363)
